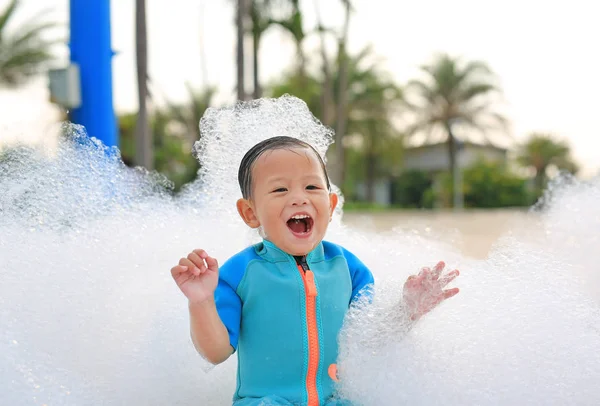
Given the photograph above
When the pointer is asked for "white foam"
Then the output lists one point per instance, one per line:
(90, 315)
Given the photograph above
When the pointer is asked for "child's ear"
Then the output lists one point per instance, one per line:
(247, 213)
(333, 201)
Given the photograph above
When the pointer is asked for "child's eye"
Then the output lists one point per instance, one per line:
(312, 187)
(279, 190)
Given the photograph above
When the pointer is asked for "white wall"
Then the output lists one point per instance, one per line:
(382, 192)
(435, 157)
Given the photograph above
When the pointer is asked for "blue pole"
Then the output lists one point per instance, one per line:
(91, 50)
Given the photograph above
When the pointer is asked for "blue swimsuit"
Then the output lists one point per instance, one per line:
(283, 315)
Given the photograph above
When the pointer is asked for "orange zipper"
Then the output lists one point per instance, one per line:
(313, 335)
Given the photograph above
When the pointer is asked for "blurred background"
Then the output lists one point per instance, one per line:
(449, 107)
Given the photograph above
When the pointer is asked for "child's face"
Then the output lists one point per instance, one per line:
(289, 200)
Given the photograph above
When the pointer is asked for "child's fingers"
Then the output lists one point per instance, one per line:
(425, 272)
(190, 266)
(201, 253)
(411, 282)
(446, 279)
(178, 269)
(212, 263)
(450, 292)
(437, 270)
(197, 261)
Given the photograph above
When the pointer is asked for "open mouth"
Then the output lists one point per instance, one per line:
(300, 224)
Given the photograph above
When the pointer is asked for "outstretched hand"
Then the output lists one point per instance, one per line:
(197, 276)
(425, 291)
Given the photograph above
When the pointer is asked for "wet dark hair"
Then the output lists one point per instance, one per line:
(245, 171)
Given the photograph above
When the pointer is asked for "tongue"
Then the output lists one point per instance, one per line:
(297, 226)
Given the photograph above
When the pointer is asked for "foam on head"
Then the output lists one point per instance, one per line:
(90, 314)
(228, 133)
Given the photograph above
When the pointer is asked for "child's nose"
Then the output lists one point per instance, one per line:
(299, 199)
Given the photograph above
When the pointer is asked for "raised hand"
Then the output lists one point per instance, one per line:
(197, 276)
(425, 291)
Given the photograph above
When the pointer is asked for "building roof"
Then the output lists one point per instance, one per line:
(493, 138)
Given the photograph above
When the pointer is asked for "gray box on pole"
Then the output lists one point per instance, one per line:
(65, 88)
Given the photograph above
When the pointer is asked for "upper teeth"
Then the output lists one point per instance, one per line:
(300, 217)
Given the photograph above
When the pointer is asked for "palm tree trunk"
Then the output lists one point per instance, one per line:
(256, 44)
(451, 150)
(451, 159)
(540, 179)
(144, 147)
(327, 91)
(298, 33)
(240, 17)
(301, 62)
(370, 178)
(341, 115)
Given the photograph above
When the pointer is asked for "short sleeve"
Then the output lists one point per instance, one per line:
(228, 302)
(362, 278)
(229, 308)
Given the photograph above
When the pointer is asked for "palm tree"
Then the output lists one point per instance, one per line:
(240, 19)
(260, 15)
(263, 15)
(293, 24)
(341, 116)
(25, 51)
(453, 92)
(541, 151)
(188, 115)
(172, 151)
(143, 136)
(371, 101)
(180, 138)
(327, 113)
(175, 128)
(259, 26)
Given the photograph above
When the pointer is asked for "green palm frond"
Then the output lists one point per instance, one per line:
(261, 12)
(452, 91)
(30, 32)
(25, 52)
(474, 70)
(541, 150)
(188, 115)
(423, 91)
(473, 90)
(7, 15)
(17, 67)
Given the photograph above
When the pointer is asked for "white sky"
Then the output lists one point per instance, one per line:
(545, 53)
